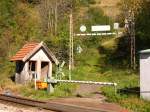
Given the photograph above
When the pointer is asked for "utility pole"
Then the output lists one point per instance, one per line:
(133, 41)
(71, 60)
(131, 31)
(56, 17)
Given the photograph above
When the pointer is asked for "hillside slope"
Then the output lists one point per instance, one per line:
(110, 7)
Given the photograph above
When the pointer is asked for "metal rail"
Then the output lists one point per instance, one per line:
(83, 82)
(58, 107)
(98, 34)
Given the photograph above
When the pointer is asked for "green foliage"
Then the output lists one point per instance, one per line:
(141, 9)
(87, 2)
(116, 52)
(7, 11)
(93, 16)
(7, 22)
(64, 90)
(127, 91)
(142, 27)
(96, 16)
(61, 90)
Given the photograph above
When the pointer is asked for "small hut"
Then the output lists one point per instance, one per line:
(33, 60)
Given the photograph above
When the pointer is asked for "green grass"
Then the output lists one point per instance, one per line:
(123, 77)
(61, 90)
(90, 66)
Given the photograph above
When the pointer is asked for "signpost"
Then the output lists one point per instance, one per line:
(100, 28)
(83, 28)
(116, 26)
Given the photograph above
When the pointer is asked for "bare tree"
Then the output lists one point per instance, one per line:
(47, 15)
(51, 11)
(130, 5)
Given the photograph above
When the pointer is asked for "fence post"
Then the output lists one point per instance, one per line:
(50, 87)
(115, 86)
(35, 76)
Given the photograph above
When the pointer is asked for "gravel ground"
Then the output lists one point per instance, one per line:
(12, 108)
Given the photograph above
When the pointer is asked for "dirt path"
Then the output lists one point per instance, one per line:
(91, 103)
(90, 96)
(90, 91)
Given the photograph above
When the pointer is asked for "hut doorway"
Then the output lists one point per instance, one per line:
(44, 70)
(32, 69)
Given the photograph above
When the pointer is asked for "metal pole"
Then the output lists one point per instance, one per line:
(133, 28)
(72, 53)
(70, 47)
(35, 75)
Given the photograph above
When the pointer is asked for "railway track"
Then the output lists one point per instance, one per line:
(58, 107)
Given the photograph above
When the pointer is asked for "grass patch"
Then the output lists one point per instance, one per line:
(61, 90)
(127, 90)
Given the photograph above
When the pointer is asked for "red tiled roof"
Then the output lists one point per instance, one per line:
(27, 48)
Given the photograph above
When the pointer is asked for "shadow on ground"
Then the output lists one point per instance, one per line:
(129, 91)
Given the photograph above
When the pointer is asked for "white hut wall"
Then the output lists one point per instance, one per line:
(145, 76)
(44, 64)
(22, 72)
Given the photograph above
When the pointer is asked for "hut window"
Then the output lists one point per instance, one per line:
(32, 65)
(19, 66)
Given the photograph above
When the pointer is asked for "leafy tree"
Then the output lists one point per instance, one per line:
(143, 26)
(7, 22)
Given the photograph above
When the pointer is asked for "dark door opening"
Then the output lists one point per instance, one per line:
(44, 70)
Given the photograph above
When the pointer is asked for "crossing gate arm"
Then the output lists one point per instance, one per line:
(98, 34)
(84, 82)
(52, 82)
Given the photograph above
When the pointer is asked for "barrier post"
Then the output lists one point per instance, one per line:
(50, 87)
